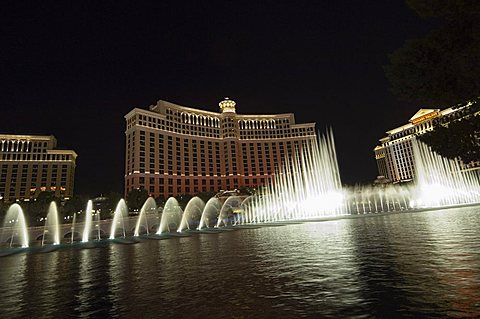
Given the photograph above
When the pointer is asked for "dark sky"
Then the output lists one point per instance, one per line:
(74, 69)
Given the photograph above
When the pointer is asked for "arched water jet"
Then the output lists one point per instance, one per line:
(15, 226)
(121, 211)
(51, 229)
(193, 213)
(148, 208)
(228, 209)
(171, 215)
(210, 213)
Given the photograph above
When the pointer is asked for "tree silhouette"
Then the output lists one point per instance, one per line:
(136, 197)
(442, 69)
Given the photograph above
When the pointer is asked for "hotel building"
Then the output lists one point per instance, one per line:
(172, 149)
(30, 164)
(394, 155)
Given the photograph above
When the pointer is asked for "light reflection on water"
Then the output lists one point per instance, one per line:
(418, 265)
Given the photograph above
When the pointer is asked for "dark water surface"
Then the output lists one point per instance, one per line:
(422, 265)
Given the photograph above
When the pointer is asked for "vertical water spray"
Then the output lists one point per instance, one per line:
(441, 181)
(88, 222)
(98, 225)
(52, 225)
(307, 185)
(72, 228)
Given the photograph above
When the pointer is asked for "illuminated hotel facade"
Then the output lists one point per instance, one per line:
(394, 154)
(30, 164)
(173, 150)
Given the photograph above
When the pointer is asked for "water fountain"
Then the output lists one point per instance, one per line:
(15, 227)
(97, 225)
(210, 213)
(148, 208)
(367, 199)
(88, 222)
(306, 186)
(72, 228)
(441, 181)
(171, 216)
(51, 230)
(121, 211)
(228, 210)
(192, 214)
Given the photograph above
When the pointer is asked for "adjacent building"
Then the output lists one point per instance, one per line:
(30, 164)
(173, 149)
(394, 154)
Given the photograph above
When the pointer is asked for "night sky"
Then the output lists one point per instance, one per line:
(74, 69)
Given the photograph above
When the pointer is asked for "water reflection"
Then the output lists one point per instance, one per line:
(92, 296)
(322, 266)
(120, 268)
(455, 241)
(42, 276)
(13, 282)
(417, 265)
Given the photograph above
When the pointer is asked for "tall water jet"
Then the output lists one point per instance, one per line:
(366, 199)
(192, 214)
(148, 208)
(72, 228)
(244, 214)
(210, 213)
(171, 216)
(51, 230)
(88, 222)
(15, 226)
(97, 214)
(441, 181)
(121, 211)
(307, 185)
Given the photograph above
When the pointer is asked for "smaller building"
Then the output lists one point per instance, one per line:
(394, 154)
(30, 164)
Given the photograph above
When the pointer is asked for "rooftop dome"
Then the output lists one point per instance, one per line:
(227, 105)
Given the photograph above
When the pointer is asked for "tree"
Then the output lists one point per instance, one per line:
(205, 196)
(446, 9)
(110, 204)
(75, 204)
(442, 68)
(183, 200)
(459, 138)
(38, 208)
(160, 200)
(136, 197)
(3, 211)
(244, 190)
